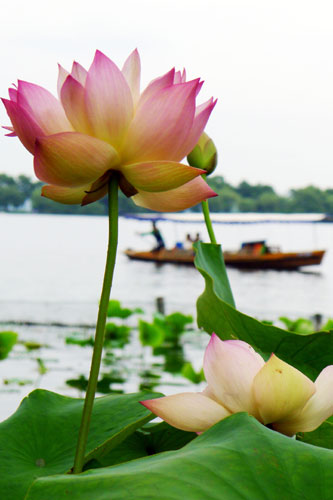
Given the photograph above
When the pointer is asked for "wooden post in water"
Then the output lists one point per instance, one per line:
(318, 321)
(160, 305)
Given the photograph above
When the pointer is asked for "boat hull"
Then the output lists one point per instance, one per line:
(280, 261)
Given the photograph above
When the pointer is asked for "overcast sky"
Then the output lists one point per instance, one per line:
(269, 63)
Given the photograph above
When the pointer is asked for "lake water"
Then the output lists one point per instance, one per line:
(51, 270)
(52, 266)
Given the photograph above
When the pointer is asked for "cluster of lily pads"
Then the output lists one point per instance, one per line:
(162, 335)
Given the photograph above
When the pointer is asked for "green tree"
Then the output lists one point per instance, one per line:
(247, 190)
(10, 195)
(247, 205)
(26, 186)
(268, 202)
(307, 200)
(328, 201)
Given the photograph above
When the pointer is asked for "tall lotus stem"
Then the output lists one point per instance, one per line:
(205, 211)
(208, 222)
(100, 326)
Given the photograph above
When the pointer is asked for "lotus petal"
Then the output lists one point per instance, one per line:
(62, 75)
(186, 196)
(72, 99)
(12, 132)
(12, 94)
(109, 100)
(230, 367)
(155, 176)
(132, 72)
(187, 411)
(74, 196)
(156, 85)
(180, 77)
(68, 196)
(24, 125)
(72, 159)
(318, 408)
(43, 107)
(79, 73)
(208, 392)
(202, 115)
(280, 390)
(161, 124)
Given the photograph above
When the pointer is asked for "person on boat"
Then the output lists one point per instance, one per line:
(188, 243)
(158, 237)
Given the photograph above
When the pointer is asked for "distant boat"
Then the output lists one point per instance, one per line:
(252, 255)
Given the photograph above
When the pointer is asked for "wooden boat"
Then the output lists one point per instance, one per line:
(252, 255)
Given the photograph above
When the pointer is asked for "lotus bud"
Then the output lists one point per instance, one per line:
(204, 155)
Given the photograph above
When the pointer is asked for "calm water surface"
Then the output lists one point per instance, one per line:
(52, 266)
(51, 269)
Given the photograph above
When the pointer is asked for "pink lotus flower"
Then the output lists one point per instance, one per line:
(103, 123)
(239, 380)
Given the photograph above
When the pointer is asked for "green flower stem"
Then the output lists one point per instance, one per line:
(100, 326)
(205, 211)
(209, 226)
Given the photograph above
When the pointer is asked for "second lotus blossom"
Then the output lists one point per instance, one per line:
(275, 393)
(103, 123)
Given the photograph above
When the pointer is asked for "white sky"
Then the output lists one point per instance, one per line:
(269, 63)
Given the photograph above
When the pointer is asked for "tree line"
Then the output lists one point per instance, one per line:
(262, 198)
(21, 193)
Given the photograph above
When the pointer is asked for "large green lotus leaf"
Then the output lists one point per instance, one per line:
(323, 436)
(39, 439)
(151, 439)
(237, 459)
(309, 353)
(212, 257)
(164, 437)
